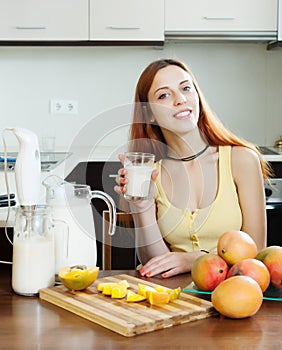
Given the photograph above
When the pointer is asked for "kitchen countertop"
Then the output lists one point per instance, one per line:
(31, 323)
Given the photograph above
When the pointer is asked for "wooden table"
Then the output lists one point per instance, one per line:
(30, 323)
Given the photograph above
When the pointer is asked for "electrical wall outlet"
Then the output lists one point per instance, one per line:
(63, 107)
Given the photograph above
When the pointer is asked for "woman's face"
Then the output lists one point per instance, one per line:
(174, 100)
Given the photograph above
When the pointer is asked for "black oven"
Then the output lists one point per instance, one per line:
(274, 211)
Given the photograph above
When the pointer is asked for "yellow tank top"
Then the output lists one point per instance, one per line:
(187, 231)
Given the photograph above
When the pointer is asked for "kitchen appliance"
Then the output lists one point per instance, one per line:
(72, 204)
(273, 192)
(7, 200)
(27, 168)
(270, 151)
(33, 246)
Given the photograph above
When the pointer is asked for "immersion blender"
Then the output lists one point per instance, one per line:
(33, 265)
(27, 168)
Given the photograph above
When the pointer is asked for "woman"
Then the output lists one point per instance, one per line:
(207, 181)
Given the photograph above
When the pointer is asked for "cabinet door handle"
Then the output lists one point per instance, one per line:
(113, 175)
(31, 27)
(221, 18)
(124, 27)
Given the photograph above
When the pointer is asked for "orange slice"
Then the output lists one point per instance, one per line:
(143, 289)
(173, 293)
(123, 283)
(158, 298)
(134, 297)
(119, 291)
(107, 288)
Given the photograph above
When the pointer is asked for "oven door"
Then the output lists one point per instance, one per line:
(274, 224)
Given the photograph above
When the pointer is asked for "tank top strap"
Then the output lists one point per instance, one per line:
(160, 193)
(225, 171)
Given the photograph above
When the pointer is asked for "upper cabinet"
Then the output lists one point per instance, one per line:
(223, 18)
(43, 20)
(127, 20)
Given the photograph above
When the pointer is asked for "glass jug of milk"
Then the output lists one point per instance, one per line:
(33, 250)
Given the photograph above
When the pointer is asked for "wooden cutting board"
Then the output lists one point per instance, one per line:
(128, 319)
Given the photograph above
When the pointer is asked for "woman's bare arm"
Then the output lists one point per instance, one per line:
(250, 186)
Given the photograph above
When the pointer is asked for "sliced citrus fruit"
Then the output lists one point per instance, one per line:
(102, 285)
(172, 293)
(108, 287)
(134, 297)
(143, 289)
(78, 277)
(117, 288)
(119, 291)
(175, 293)
(123, 283)
(157, 298)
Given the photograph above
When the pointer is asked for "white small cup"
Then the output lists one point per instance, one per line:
(139, 167)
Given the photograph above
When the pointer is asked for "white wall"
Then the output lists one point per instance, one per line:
(242, 82)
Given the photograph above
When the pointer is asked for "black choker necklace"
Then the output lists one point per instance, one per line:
(194, 156)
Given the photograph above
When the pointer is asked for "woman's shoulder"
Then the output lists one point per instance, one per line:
(244, 154)
(243, 159)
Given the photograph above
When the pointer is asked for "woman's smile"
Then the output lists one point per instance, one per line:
(184, 114)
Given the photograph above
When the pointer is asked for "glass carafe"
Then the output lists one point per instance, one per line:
(72, 203)
(33, 250)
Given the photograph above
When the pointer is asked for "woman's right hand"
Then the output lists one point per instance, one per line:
(120, 188)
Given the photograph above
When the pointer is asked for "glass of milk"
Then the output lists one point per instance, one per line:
(139, 167)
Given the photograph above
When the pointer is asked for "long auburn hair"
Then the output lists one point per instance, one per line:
(146, 136)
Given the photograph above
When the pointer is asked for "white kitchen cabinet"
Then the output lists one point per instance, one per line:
(127, 20)
(221, 17)
(44, 20)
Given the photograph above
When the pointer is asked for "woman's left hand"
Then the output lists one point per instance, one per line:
(169, 264)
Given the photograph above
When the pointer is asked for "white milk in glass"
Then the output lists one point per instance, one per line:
(138, 184)
(33, 265)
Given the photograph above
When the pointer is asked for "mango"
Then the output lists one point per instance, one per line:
(272, 258)
(237, 297)
(208, 271)
(234, 246)
(252, 268)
